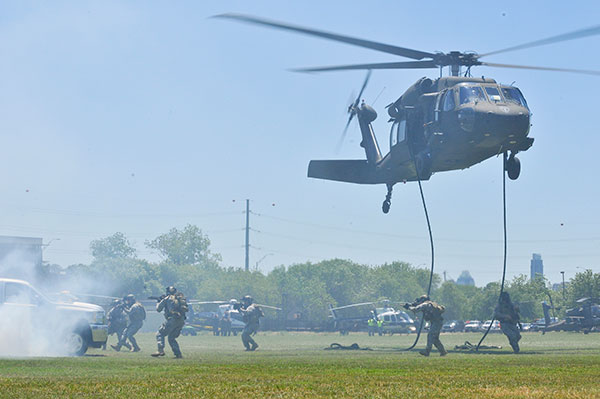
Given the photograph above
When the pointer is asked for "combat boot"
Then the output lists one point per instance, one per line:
(135, 349)
(116, 347)
(157, 354)
(178, 356)
(127, 345)
(424, 352)
(444, 352)
(254, 347)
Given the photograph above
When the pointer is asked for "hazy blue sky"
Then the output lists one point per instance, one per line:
(139, 116)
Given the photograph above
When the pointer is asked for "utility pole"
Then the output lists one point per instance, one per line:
(247, 266)
(444, 276)
(563, 276)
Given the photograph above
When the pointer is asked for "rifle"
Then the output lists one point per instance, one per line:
(158, 298)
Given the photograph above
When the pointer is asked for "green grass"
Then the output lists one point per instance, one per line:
(294, 365)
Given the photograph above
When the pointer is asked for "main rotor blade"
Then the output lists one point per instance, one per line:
(583, 71)
(594, 30)
(384, 65)
(386, 48)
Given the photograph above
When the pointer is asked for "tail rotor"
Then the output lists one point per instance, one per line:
(353, 110)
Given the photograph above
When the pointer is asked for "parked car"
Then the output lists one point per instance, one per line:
(453, 326)
(472, 326)
(495, 326)
(525, 327)
(45, 327)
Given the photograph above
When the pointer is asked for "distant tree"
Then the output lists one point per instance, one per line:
(453, 299)
(116, 246)
(185, 247)
(584, 285)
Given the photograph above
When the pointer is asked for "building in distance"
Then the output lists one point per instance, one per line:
(465, 278)
(537, 266)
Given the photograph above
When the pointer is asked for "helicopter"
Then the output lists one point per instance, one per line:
(443, 124)
(354, 317)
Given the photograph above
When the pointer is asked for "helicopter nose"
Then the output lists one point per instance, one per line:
(505, 122)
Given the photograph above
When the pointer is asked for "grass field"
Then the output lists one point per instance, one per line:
(294, 365)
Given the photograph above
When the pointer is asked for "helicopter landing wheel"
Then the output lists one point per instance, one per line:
(385, 207)
(513, 167)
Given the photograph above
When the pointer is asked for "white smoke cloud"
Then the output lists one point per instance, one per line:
(34, 325)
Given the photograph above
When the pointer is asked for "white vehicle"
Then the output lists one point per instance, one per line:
(472, 326)
(495, 326)
(39, 326)
(395, 321)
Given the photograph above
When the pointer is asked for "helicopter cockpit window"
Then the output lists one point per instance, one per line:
(398, 133)
(494, 94)
(471, 94)
(512, 94)
(449, 102)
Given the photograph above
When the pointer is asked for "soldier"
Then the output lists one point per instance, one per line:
(251, 315)
(432, 312)
(226, 324)
(175, 307)
(507, 314)
(117, 319)
(137, 315)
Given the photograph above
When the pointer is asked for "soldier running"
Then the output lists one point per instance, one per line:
(432, 312)
(507, 314)
(175, 307)
(117, 319)
(251, 315)
(137, 315)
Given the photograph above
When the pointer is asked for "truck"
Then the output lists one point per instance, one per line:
(40, 326)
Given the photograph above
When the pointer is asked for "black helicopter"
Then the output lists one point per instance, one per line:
(438, 125)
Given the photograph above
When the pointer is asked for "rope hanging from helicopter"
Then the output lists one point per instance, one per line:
(431, 245)
(504, 157)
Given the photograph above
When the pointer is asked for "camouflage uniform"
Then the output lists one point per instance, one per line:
(175, 307)
(117, 320)
(137, 315)
(508, 315)
(252, 315)
(432, 312)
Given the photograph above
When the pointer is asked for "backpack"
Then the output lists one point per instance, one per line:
(182, 305)
(439, 308)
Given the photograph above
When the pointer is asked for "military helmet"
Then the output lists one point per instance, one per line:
(129, 298)
(171, 290)
(422, 298)
(247, 299)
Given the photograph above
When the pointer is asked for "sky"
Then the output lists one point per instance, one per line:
(138, 117)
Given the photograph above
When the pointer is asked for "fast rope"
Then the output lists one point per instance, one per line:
(504, 157)
(432, 251)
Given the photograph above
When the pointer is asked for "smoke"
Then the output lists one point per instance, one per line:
(35, 324)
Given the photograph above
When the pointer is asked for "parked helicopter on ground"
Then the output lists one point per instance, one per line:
(449, 123)
(584, 317)
(354, 317)
(203, 315)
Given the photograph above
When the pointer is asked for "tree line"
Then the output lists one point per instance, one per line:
(304, 290)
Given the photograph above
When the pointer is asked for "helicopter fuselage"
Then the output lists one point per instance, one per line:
(451, 123)
(454, 123)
